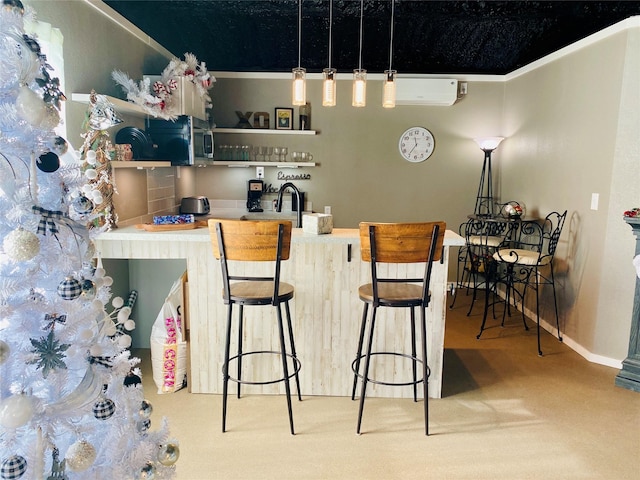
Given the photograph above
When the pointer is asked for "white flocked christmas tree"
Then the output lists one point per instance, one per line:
(71, 398)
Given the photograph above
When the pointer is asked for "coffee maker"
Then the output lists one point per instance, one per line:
(254, 195)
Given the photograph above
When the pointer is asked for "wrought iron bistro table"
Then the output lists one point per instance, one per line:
(510, 229)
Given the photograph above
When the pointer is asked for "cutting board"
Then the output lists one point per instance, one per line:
(149, 227)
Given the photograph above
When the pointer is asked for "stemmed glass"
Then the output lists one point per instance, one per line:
(276, 151)
(263, 153)
(269, 153)
(284, 151)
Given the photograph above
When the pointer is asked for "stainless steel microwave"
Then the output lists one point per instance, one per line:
(186, 141)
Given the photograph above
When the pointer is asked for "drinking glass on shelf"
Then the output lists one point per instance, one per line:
(236, 153)
(269, 153)
(245, 152)
(295, 156)
(276, 151)
(254, 153)
(284, 151)
(263, 153)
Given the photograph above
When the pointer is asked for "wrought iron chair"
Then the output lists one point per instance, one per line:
(255, 241)
(393, 243)
(528, 265)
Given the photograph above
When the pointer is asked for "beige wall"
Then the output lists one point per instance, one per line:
(570, 128)
(360, 173)
(571, 125)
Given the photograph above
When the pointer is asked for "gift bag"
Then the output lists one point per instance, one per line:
(168, 345)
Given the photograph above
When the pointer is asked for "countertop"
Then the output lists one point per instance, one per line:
(201, 234)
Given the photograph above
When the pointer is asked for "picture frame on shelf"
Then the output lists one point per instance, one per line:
(284, 118)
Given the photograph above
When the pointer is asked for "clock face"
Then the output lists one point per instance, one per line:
(416, 144)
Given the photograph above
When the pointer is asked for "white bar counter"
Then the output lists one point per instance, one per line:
(326, 271)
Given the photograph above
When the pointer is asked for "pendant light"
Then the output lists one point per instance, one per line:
(329, 74)
(360, 75)
(389, 87)
(299, 89)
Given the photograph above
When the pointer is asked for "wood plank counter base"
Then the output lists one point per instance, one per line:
(326, 272)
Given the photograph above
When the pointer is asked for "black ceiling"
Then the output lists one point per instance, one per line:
(430, 37)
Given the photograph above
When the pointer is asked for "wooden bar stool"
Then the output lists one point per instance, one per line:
(255, 241)
(397, 243)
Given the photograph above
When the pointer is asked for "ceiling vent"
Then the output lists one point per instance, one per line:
(426, 91)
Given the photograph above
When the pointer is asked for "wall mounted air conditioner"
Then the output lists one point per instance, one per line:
(426, 91)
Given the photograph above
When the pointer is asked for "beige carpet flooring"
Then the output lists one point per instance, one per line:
(505, 414)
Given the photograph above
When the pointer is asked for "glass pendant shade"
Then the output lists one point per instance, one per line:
(329, 87)
(299, 90)
(488, 144)
(389, 89)
(359, 88)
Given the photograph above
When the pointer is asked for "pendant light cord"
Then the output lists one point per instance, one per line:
(391, 36)
(360, 54)
(299, 31)
(330, 26)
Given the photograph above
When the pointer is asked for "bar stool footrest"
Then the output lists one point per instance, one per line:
(296, 364)
(392, 384)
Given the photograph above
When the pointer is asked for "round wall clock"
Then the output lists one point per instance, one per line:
(416, 144)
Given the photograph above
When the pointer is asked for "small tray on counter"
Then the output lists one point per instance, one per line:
(150, 227)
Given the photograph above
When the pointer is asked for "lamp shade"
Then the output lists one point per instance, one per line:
(359, 88)
(488, 144)
(389, 89)
(299, 89)
(329, 87)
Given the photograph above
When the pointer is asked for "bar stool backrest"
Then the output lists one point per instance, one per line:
(401, 243)
(251, 240)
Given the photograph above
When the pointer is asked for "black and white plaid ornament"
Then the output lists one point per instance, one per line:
(69, 288)
(104, 409)
(13, 467)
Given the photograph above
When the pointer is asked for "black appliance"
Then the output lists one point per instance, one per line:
(254, 195)
(185, 141)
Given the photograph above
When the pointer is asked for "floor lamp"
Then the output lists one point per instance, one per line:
(484, 199)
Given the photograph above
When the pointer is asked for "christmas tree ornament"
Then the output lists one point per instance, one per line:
(14, 6)
(49, 353)
(117, 302)
(102, 115)
(132, 380)
(123, 314)
(82, 205)
(48, 162)
(57, 467)
(91, 174)
(148, 472)
(69, 288)
(4, 351)
(88, 289)
(143, 425)
(16, 411)
(129, 325)
(60, 146)
(107, 281)
(30, 106)
(104, 409)
(51, 117)
(124, 341)
(80, 456)
(21, 245)
(168, 454)
(13, 467)
(146, 409)
(91, 157)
